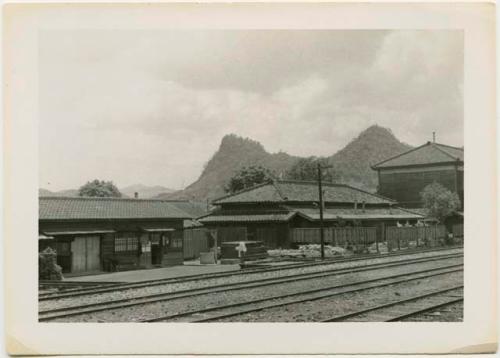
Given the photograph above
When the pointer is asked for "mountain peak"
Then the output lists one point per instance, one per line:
(233, 141)
(352, 162)
(371, 146)
(376, 130)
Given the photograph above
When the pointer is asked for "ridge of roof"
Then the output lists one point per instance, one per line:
(56, 197)
(450, 146)
(310, 182)
(399, 155)
(331, 184)
(438, 147)
(282, 198)
(278, 190)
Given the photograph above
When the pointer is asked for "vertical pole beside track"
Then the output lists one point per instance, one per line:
(321, 226)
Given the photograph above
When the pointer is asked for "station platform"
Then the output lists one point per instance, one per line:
(187, 269)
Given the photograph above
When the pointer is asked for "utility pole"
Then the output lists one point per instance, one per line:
(321, 223)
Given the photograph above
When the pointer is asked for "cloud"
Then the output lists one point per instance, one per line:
(151, 107)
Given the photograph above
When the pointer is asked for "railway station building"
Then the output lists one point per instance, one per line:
(404, 176)
(108, 234)
(269, 211)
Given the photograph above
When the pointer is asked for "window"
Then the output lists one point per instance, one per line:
(126, 242)
(176, 243)
(145, 243)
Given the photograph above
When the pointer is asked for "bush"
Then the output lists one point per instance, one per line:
(48, 269)
(439, 201)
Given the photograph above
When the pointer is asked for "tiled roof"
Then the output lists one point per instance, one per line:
(80, 208)
(247, 218)
(296, 191)
(420, 211)
(351, 214)
(313, 214)
(194, 208)
(429, 153)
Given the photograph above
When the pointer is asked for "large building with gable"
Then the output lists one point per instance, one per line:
(404, 176)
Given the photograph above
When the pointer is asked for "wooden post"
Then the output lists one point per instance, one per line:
(321, 224)
(216, 247)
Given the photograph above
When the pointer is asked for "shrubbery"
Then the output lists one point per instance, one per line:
(48, 269)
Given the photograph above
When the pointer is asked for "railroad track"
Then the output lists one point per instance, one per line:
(222, 312)
(403, 309)
(62, 312)
(149, 283)
(74, 285)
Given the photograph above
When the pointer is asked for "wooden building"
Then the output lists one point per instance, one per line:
(267, 212)
(108, 234)
(404, 176)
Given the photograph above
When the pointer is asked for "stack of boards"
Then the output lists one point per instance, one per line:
(255, 250)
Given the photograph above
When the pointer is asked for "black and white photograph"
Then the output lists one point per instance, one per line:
(251, 176)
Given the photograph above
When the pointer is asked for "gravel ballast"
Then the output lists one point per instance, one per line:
(350, 302)
(208, 282)
(153, 310)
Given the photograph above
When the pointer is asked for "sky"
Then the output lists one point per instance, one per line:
(151, 107)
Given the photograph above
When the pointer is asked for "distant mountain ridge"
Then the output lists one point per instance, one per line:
(68, 192)
(144, 191)
(352, 163)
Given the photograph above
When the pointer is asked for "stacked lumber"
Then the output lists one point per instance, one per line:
(255, 250)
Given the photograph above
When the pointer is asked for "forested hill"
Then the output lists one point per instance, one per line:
(371, 146)
(352, 162)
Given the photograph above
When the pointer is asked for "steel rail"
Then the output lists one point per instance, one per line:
(419, 276)
(261, 282)
(124, 303)
(157, 282)
(423, 310)
(390, 304)
(64, 287)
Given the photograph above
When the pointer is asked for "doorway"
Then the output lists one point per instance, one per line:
(156, 249)
(86, 254)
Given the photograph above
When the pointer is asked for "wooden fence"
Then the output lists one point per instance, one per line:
(196, 239)
(404, 237)
(338, 236)
(396, 237)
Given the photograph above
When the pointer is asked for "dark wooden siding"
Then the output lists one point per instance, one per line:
(196, 240)
(110, 259)
(460, 185)
(405, 187)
